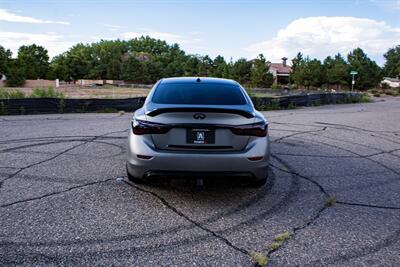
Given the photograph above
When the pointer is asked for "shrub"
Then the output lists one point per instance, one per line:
(365, 98)
(249, 91)
(291, 105)
(273, 105)
(393, 92)
(11, 94)
(276, 86)
(46, 93)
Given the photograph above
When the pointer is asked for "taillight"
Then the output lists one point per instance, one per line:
(256, 129)
(140, 127)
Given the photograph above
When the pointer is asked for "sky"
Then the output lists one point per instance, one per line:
(233, 29)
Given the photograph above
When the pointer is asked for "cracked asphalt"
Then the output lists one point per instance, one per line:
(65, 200)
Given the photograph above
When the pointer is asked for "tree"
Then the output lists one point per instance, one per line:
(206, 66)
(78, 61)
(260, 75)
(392, 65)
(174, 69)
(15, 74)
(297, 69)
(369, 73)
(317, 71)
(33, 60)
(5, 60)
(133, 70)
(192, 66)
(337, 70)
(220, 69)
(105, 59)
(241, 70)
(58, 68)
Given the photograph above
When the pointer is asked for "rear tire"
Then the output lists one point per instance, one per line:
(258, 183)
(134, 179)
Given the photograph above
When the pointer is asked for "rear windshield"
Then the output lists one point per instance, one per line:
(198, 94)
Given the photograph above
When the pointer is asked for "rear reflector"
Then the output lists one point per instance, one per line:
(255, 158)
(144, 157)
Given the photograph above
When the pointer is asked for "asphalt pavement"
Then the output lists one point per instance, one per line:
(334, 188)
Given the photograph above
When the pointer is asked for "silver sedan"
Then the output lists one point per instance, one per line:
(197, 127)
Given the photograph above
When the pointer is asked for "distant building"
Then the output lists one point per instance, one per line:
(391, 82)
(280, 71)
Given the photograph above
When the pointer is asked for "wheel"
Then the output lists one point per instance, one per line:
(258, 183)
(134, 179)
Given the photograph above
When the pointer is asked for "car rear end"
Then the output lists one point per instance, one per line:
(198, 126)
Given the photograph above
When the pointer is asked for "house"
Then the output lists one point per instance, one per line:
(280, 71)
(391, 82)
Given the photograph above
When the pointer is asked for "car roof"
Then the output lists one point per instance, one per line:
(198, 79)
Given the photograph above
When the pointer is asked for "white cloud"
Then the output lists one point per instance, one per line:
(112, 27)
(54, 43)
(168, 37)
(6, 15)
(323, 36)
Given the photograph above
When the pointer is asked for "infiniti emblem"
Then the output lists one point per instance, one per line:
(199, 116)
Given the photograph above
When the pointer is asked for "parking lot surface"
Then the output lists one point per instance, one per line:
(334, 186)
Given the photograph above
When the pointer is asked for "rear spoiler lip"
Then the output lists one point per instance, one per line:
(241, 112)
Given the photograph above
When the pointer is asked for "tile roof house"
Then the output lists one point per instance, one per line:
(391, 82)
(280, 71)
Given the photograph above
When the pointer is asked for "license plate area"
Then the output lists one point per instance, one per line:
(200, 136)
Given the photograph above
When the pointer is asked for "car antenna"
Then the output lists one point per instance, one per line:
(198, 80)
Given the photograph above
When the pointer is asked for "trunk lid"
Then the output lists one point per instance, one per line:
(200, 129)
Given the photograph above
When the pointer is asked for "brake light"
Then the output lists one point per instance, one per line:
(140, 127)
(256, 129)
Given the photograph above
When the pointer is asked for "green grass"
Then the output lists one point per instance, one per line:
(330, 202)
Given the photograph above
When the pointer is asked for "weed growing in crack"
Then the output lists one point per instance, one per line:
(282, 237)
(330, 202)
(275, 245)
(259, 259)
(279, 240)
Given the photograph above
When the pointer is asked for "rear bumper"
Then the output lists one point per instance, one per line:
(179, 163)
(183, 174)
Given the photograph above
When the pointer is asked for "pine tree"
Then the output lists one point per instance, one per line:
(260, 75)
